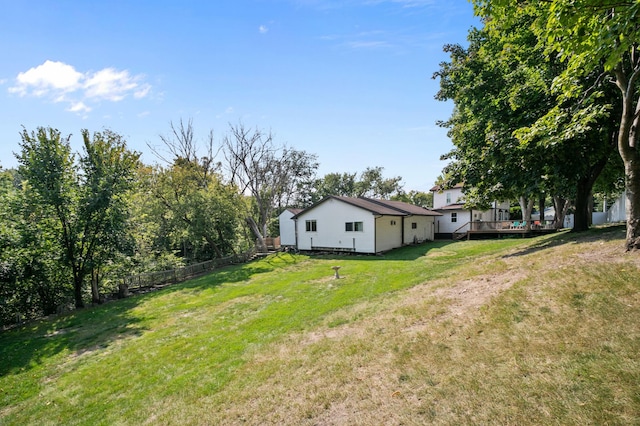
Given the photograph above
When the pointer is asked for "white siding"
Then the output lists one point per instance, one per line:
(330, 217)
(287, 229)
(445, 226)
(424, 229)
(618, 211)
(440, 198)
(388, 232)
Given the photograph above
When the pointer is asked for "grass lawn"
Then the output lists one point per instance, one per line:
(514, 331)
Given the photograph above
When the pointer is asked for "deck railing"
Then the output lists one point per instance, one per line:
(511, 225)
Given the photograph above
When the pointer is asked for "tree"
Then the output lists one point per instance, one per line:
(85, 198)
(199, 212)
(342, 184)
(373, 185)
(588, 35)
(495, 92)
(514, 137)
(370, 183)
(272, 175)
(418, 198)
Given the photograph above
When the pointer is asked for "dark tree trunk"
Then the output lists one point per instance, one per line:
(95, 292)
(581, 216)
(561, 205)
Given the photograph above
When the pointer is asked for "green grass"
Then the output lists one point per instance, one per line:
(279, 341)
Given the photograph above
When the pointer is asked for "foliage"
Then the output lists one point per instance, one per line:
(370, 183)
(514, 136)
(592, 36)
(84, 200)
(417, 198)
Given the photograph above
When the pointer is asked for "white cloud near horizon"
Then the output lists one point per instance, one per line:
(263, 29)
(62, 83)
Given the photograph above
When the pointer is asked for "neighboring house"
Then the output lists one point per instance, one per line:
(612, 213)
(455, 218)
(618, 210)
(288, 227)
(361, 225)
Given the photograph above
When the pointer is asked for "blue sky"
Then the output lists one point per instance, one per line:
(347, 80)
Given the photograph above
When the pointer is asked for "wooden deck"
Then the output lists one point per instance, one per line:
(497, 229)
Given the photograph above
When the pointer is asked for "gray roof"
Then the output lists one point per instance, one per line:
(381, 207)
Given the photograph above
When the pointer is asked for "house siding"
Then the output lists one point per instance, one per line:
(445, 226)
(388, 235)
(287, 229)
(440, 198)
(330, 217)
(424, 229)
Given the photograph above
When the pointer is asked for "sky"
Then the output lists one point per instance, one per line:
(349, 81)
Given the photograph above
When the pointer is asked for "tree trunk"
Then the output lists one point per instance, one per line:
(561, 205)
(262, 245)
(213, 245)
(632, 183)
(627, 138)
(581, 215)
(95, 292)
(78, 278)
(527, 208)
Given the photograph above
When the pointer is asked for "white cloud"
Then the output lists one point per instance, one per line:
(109, 84)
(263, 29)
(79, 107)
(60, 82)
(46, 78)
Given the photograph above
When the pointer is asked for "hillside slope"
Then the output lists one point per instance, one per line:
(533, 331)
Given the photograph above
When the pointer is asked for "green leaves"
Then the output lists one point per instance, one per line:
(85, 198)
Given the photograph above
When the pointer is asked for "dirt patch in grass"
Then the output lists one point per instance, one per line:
(405, 364)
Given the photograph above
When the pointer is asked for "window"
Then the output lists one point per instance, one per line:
(393, 222)
(454, 217)
(353, 226)
(311, 226)
(448, 198)
(414, 225)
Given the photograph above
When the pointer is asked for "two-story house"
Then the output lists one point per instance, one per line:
(455, 218)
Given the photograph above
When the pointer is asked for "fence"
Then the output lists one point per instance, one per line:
(153, 279)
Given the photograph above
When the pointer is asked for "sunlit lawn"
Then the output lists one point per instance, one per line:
(181, 355)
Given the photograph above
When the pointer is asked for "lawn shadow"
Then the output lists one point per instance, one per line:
(223, 275)
(81, 331)
(85, 330)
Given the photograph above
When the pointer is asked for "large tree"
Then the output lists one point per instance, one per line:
(589, 35)
(272, 175)
(85, 198)
(513, 136)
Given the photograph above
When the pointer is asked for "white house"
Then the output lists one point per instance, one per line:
(288, 227)
(361, 225)
(455, 218)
